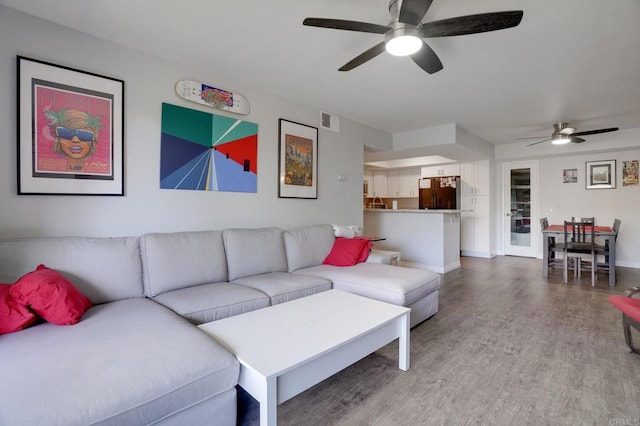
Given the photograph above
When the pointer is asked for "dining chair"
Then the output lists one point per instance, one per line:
(553, 246)
(579, 245)
(603, 249)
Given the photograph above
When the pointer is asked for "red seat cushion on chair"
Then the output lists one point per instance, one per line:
(14, 316)
(628, 305)
(51, 296)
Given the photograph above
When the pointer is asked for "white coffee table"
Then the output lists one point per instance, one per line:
(287, 348)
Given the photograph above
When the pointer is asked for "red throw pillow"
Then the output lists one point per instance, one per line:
(51, 296)
(345, 251)
(366, 249)
(14, 316)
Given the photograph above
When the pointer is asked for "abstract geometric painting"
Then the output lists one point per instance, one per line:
(207, 152)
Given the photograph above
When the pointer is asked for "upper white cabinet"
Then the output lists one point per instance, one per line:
(443, 170)
(379, 183)
(393, 183)
(475, 178)
(368, 179)
(409, 183)
(402, 183)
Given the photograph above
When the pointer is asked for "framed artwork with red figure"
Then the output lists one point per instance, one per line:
(70, 131)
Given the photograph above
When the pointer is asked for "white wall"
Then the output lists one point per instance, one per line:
(559, 201)
(149, 81)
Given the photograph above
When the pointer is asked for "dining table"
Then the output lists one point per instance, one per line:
(604, 232)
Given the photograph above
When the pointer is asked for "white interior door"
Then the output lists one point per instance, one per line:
(520, 201)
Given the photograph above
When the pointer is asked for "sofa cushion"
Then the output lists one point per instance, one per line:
(14, 315)
(211, 302)
(387, 283)
(308, 246)
(103, 269)
(254, 251)
(282, 286)
(51, 296)
(127, 362)
(175, 260)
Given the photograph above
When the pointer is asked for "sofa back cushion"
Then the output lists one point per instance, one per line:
(308, 246)
(175, 260)
(103, 269)
(254, 251)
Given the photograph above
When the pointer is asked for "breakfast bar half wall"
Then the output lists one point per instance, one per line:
(427, 239)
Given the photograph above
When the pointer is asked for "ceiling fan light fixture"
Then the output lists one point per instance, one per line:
(403, 41)
(560, 139)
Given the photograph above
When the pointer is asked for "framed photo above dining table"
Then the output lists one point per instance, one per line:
(601, 174)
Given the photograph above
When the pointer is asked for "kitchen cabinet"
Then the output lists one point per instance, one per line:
(379, 183)
(475, 230)
(443, 170)
(408, 183)
(393, 183)
(475, 225)
(368, 179)
(402, 183)
(475, 178)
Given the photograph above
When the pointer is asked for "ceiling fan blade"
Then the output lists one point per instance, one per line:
(536, 143)
(532, 137)
(412, 11)
(427, 59)
(595, 132)
(363, 57)
(342, 24)
(575, 139)
(472, 24)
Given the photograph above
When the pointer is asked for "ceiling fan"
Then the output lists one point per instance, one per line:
(563, 134)
(404, 34)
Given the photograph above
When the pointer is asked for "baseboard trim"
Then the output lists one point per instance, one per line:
(433, 268)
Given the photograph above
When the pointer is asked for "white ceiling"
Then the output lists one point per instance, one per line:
(569, 60)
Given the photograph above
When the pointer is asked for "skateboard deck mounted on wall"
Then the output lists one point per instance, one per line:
(214, 97)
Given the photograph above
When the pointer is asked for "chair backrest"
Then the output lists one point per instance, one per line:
(544, 223)
(579, 235)
(616, 226)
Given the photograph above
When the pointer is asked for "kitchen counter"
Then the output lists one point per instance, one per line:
(426, 239)
(428, 211)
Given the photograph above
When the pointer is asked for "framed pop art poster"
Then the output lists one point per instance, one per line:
(298, 160)
(70, 131)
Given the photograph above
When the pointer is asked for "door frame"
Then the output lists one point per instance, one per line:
(532, 249)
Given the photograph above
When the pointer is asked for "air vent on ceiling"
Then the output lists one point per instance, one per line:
(329, 121)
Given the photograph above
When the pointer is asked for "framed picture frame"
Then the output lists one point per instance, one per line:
(570, 176)
(298, 160)
(70, 131)
(601, 174)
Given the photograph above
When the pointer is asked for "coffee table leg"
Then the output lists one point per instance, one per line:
(404, 342)
(269, 402)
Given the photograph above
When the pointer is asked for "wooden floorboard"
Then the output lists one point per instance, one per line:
(507, 347)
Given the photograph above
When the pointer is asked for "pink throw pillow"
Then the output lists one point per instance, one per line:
(346, 251)
(51, 296)
(366, 249)
(14, 316)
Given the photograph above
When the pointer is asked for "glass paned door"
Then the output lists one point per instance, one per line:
(519, 200)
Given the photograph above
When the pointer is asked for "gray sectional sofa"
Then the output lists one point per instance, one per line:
(136, 357)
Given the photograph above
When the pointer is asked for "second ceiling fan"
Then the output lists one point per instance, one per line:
(563, 134)
(405, 32)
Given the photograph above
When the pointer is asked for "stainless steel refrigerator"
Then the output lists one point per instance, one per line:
(439, 192)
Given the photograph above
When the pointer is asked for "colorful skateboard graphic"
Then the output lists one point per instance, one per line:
(212, 96)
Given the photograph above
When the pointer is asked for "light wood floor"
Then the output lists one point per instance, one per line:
(507, 347)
